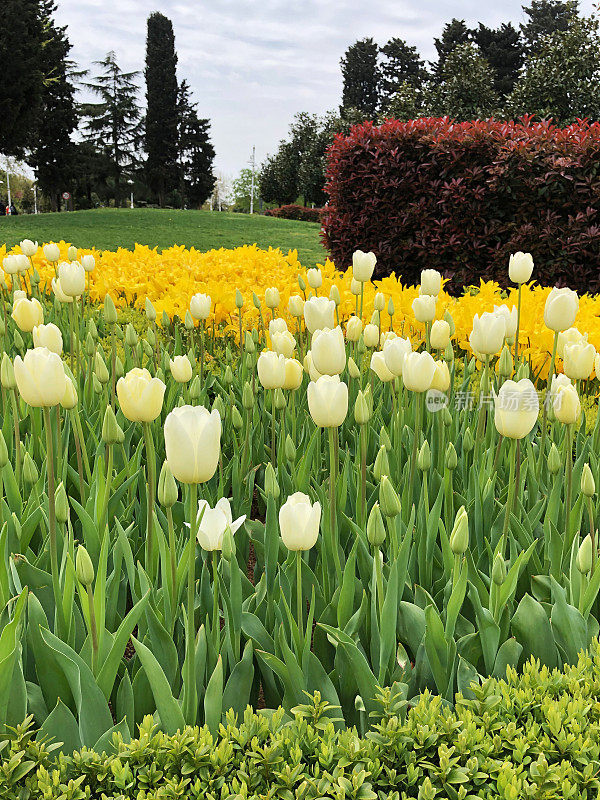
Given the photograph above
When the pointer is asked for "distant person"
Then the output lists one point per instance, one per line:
(13, 210)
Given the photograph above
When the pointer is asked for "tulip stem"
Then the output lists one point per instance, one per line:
(173, 560)
(363, 476)
(484, 386)
(15, 410)
(547, 399)
(332, 500)
(518, 329)
(273, 451)
(151, 489)
(299, 592)
(59, 621)
(379, 580)
(93, 629)
(216, 616)
(413, 457)
(113, 366)
(569, 469)
(202, 327)
(190, 704)
(509, 498)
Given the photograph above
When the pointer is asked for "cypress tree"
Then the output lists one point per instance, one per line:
(22, 77)
(196, 153)
(161, 129)
(360, 72)
(502, 48)
(53, 153)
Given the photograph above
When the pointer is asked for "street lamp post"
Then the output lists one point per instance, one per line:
(130, 182)
(8, 186)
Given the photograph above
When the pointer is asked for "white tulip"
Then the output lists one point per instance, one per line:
(516, 408)
(29, 248)
(319, 313)
(363, 265)
(561, 309)
(48, 336)
(328, 351)
(487, 336)
(431, 282)
(271, 369)
(418, 370)
(379, 367)
(424, 308)
(579, 360)
(193, 443)
(200, 306)
(328, 401)
(40, 377)
(510, 319)
(299, 522)
(394, 352)
(72, 278)
(213, 522)
(520, 267)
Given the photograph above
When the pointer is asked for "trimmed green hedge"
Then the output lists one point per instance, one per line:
(535, 735)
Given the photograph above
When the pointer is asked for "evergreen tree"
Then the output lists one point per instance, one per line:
(562, 80)
(21, 84)
(546, 17)
(196, 153)
(454, 33)
(360, 72)
(466, 89)
(502, 48)
(112, 125)
(401, 66)
(53, 152)
(162, 116)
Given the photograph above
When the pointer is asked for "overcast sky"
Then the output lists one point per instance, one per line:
(253, 64)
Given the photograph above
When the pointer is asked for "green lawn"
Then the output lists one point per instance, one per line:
(110, 228)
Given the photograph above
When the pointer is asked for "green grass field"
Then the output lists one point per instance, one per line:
(110, 228)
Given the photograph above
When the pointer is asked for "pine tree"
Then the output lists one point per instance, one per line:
(196, 153)
(112, 125)
(21, 84)
(361, 75)
(52, 155)
(503, 49)
(454, 33)
(162, 117)
(401, 65)
(546, 17)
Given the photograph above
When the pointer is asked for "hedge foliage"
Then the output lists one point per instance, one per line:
(293, 211)
(460, 198)
(534, 735)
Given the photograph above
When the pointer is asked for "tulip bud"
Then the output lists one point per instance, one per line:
(62, 504)
(301, 283)
(451, 457)
(271, 485)
(362, 413)
(90, 345)
(353, 370)
(165, 320)
(147, 348)
(131, 336)
(167, 487)
(150, 310)
(18, 341)
(588, 486)
(388, 499)
(30, 471)
(228, 545)
(523, 371)
(584, 556)
(228, 376)
(391, 309)
(375, 527)
(2, 327)
(96, 385)
(446, 417)
(84, 567)
(290, 450)
(110, 427)
(72, 253)
(553, 459)
(381, 466)
(247, 397)
(256, 301)
(151, 337)
(424, 457)
(236, 419)
(100, 369)
(449, 353)
(471, 366)
(3, 451)
(219, 406)
(7, 373)
(459, 538)
(334, 294)
(379, 302)
(468, 443)
(92, 329)
(450, 321)
(249, 346)
(35, 277)
(239, 299)
(505, 363)
(375, 318)
(188, 321)
(384, 438)
(110, 312)
(195, 388)
(280, 401)
(499, 570)
(120, 370)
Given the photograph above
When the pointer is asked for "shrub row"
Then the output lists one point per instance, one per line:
(533, 735)
(462, 197)
(294, 211)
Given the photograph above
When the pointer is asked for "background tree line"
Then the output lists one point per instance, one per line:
(102, 148)
(548, 66)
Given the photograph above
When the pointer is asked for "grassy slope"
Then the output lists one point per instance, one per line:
(108, 229)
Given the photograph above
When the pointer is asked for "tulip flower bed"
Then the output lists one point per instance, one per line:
(327, 508)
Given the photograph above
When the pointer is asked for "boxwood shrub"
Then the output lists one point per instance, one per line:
(534, 735)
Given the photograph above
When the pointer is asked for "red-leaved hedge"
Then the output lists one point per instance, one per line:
(293, 211)
(461, 197)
